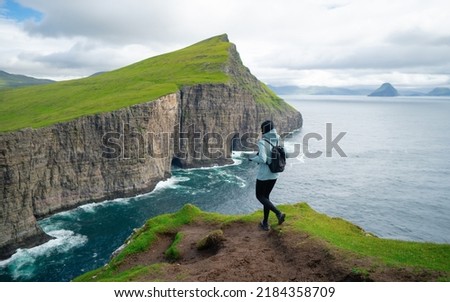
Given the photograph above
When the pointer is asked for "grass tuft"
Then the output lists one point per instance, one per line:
(173, 253)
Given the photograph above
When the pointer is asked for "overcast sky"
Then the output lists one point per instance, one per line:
(299, 42)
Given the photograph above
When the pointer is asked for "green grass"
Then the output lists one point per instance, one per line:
(203, 62)
(40, 106)
(163, 224)
(173, 253)
(336, 232)
(347, 236)
(124, 276)
(148, 234)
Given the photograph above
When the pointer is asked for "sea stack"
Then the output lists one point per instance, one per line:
(385, 90)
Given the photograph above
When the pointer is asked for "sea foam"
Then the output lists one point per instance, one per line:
(22, 263)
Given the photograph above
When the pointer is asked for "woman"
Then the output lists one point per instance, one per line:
(265, 179)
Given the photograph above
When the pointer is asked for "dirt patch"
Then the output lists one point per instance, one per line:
(250, 254)
(155, 254)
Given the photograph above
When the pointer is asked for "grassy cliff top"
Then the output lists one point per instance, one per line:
(210, 61)
(192, 245)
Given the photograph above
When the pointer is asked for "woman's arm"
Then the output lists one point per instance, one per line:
(261, 157)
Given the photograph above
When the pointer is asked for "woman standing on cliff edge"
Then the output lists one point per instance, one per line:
(266, 179)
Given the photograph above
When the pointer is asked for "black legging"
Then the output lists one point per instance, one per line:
(263, 189)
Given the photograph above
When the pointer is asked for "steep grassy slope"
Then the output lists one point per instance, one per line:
(211, 61)
(303, 229)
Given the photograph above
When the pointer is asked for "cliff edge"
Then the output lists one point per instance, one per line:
(118, 134)
(192, 245)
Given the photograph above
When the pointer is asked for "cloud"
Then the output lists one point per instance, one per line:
(293, 41)
(126, 21)
(91, 55)
(418, 37)
(376, 57)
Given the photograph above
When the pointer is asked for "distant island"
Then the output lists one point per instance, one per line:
(326, 90)
(386, 90)
(440, 91)
(8, 80)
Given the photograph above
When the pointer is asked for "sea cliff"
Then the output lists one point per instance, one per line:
(126, 151)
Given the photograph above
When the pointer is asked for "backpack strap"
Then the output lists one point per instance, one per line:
(269, 142)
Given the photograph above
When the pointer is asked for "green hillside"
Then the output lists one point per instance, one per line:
(141, 82)
(203, 62)
(8, 80)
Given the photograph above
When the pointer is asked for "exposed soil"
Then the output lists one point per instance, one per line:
(250, 254)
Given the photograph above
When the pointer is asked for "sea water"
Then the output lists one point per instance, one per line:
(393, 181)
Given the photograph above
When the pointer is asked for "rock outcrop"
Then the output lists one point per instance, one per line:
(386, 90)
(127, 151)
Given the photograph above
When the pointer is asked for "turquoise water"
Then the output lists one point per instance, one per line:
(394, 182)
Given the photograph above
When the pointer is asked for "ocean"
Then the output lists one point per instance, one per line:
(391, 177)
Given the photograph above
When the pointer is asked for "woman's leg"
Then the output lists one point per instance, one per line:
(263, 190)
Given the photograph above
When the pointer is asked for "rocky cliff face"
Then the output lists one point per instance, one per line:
(60, 167)
(222, 118)
(122, 153)
(218, 118)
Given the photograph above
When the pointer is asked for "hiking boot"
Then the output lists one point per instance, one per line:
(264, 226)
(281, 218)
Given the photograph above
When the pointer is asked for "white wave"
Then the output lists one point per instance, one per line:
(241, 182)
(236, 162)
(21, 264)
(92, 207)
(170, 183)
(230, 178)
(241, 153)
(209, 168)
(49, 224)
(236, 158)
